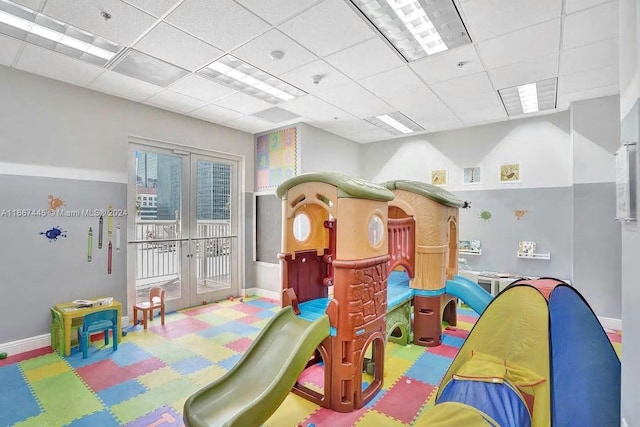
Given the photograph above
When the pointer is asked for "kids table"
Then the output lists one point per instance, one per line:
(70, 311)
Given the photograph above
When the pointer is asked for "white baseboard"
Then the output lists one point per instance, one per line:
(265, 293)
(26, 344)
(623, 423)
(610, 323)
(33, 343)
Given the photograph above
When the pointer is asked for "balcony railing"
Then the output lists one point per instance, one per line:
(158, 258)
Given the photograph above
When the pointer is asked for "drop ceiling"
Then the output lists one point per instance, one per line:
(347, 71)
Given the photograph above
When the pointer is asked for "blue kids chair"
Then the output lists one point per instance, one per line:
(99, 321)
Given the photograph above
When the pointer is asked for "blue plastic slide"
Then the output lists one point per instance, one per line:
(469, 292)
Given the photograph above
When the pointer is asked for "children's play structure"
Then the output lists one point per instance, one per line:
(537, 356)
(364, 263)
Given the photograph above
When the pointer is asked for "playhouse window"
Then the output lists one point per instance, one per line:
(375, 230)
(301, 227)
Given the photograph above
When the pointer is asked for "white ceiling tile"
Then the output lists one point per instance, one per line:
(373, 135)
(177, 47)
(223, 23)
(276, 11)
(124, 86)
(393, 81)
(31, 4)
(417, 102)
(490, 18)
(175, 102)
(524, 72)
(243, 103)
(256, 53)
(250, 124)
(473, 117)
(590, 79)
(463, 86)
(478, 101)
(440, 123)
(351, 126)
(356, 100)
(590, 25)
(9, 48)
(302, 77)
(595, 55)
(327, 28)
(155, 7)
(126, 23)
(444, 66)
(576, 5)
(565, 99)
(314, 108)
(365, 59)
(51, 64)
(529, 43)
(213, 113)
(201, 88)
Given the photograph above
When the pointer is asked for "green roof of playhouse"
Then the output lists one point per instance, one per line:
(348, 186)
(432, 192)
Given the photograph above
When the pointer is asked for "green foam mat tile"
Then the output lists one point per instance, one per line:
(40, 361)
(169, 352)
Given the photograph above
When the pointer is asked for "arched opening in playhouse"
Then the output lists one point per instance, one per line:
(372, 367)
(452, 253)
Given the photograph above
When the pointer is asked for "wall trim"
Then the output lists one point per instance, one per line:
(262, 293)
(46, 171)
(33, 343)
(26, 344)
(610, 323)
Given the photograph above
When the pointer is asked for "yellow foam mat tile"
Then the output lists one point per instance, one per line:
(394, 368)
(376, 419)
(157, 378)
(207, 375)
(293, 408)
(206, 348)
(47, 371)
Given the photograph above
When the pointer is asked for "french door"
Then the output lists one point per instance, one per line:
(183, 236)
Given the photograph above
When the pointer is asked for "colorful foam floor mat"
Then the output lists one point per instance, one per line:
(147, 380)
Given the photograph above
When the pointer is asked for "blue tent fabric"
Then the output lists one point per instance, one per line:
(497, 400)
(585, 369)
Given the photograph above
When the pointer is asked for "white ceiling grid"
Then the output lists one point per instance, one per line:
(358, 74)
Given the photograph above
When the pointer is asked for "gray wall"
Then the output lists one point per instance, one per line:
(547, 222)
(38, 273)
(596, 248)
(630, 131)
(268, 228)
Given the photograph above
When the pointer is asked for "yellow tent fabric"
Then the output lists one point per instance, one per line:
(454, 414)
(514, 328)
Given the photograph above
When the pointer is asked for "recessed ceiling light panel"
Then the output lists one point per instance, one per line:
(395, 123)
(35, 28)
(237, 74)
(149, 69)
(417, 28)
(530, 97)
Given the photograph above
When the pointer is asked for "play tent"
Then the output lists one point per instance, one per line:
(537, 356)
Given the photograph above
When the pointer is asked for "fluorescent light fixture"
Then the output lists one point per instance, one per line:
(416, 28)
(530, 97)
(396, 123)
(148, 69)
(237, 74)
(34, 27)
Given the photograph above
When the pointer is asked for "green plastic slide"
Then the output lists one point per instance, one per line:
(257, 385)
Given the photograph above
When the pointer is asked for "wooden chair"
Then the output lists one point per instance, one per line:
(156, 301)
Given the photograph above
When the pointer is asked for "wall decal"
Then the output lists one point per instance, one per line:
(472, 175)
(53, 233)
(486, 215)
(109, 257)
(117, 238)
(275, 158)
(90, 245)
(510, 172)
(519, 213)
(55, 203)
(100, 225)
(110, 221)
(439, 177)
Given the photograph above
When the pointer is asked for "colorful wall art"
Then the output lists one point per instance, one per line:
(275, 158)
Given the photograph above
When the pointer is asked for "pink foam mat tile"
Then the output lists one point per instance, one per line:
(404, 400)
(19, 357)
(104, 374)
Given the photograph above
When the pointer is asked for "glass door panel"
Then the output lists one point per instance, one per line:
(159, 242)
(213, 237)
